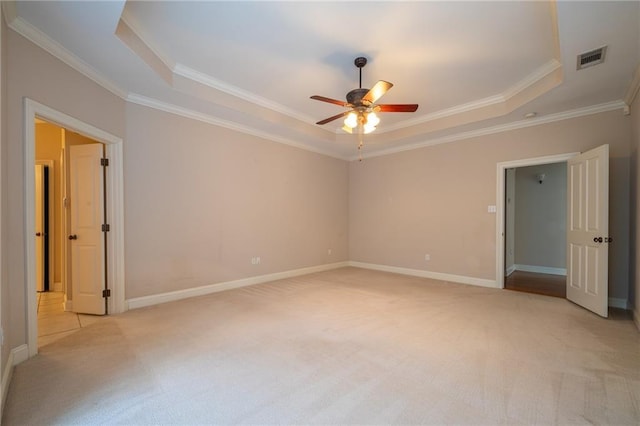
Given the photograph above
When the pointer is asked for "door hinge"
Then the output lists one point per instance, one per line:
(104, 161)
(106, 292)
(106, 227)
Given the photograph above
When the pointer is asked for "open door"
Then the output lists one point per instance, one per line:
(86, 198)
(588, 230)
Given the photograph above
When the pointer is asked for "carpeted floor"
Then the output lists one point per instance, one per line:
(348, 346)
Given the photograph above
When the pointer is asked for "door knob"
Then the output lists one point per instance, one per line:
(73, 237)
(608, 239)
(38, 234)
(597, 239)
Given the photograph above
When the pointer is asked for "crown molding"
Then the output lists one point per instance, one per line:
(208, 80)
(206, 118)
(634, 87)
(566, 115)
(40, 39)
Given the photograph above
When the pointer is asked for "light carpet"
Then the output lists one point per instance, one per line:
(348, 346)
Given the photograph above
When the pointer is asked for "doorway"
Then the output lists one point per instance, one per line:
(501, 197)
(65, 179)
(535, 229)
(114, 211)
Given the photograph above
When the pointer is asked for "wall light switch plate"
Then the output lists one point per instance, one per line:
(491, 209)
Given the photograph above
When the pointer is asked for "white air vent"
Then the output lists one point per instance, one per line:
(591, 58)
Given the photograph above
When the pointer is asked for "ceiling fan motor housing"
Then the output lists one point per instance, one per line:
(355, 96)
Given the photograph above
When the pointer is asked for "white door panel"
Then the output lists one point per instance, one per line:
(588, 230)
(87, 239)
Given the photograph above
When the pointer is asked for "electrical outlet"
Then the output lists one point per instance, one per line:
(427, 257)
(491, 209)
(255, 260)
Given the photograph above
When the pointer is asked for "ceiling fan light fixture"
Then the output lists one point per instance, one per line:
(373, 119)
(351, 121)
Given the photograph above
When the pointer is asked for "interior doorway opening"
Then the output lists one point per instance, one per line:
(62, 183)
(535, 229)
(112, 146)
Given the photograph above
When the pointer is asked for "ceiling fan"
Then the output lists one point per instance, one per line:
(362, 105)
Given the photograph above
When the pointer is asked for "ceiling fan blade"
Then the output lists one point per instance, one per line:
(329, 100)
(376, 92)
(397, 107)
(335, 117)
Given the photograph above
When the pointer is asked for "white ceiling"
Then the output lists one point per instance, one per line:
(251, 66)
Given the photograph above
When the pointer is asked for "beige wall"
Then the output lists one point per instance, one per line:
(201, 201)
(4, 280)
(434, 200)
(635, 207)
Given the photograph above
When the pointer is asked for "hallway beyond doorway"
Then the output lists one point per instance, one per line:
(532, 282)
(53, 322)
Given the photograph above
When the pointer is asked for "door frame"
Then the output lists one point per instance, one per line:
(115, 209)
(52, 220)
(500, 205)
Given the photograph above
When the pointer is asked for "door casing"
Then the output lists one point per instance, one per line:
(500, 207)
(115, 212)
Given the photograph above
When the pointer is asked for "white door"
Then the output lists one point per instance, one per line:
(86, 199)
(588, 230)
(39, 211)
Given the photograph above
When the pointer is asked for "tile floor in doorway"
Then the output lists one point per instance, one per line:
(53, 322)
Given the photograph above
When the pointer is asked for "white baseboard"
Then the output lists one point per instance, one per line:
(510, 270)
(482, 282)
(57, 287)
(16, 356)
(541, 269)
(155, 299)
(616, 302)
(636, 319)
(67, 305)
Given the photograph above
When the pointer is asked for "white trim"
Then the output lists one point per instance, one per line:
(616, 302)
(510, 270)
(501, 168)
(57, 286)
(539, 269)
(115, 213)
(545, 119)
(51, 46)
(206, 118)
(155, 299)
(16, 356)
(481, 282)
(636, 319)
(634, 88)
(209, 81)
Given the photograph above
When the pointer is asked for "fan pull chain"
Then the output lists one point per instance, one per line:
(360, 142)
